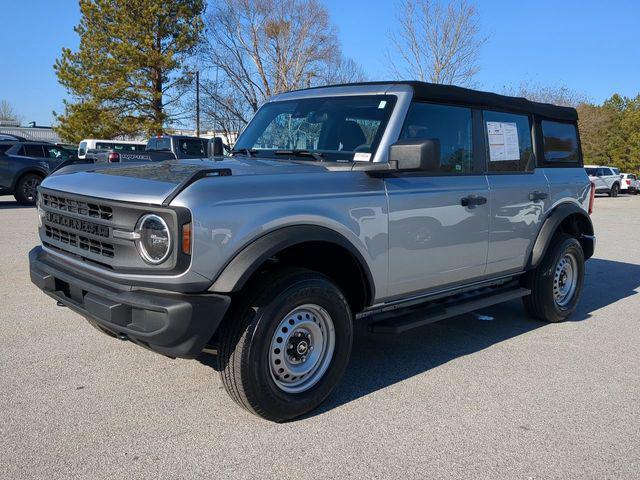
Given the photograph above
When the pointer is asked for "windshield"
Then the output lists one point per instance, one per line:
(340, 128)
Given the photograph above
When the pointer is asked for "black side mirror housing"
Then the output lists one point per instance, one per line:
(416, 154)
(216, 147)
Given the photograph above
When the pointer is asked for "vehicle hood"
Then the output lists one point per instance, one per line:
(153, 183)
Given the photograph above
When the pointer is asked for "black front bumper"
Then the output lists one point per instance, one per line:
(173, 324)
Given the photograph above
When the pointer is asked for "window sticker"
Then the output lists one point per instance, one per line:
(382, 104)
(361, 157)
(503, 141)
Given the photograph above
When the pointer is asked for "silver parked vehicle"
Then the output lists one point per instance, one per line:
(395, 204)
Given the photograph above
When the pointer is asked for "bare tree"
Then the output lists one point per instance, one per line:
(555, 94)
(259, 48)
(437, 43)
(7, 112)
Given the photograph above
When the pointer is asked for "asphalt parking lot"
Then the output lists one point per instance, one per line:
(491, 396)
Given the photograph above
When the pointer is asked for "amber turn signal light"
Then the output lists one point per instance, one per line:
(186, 238)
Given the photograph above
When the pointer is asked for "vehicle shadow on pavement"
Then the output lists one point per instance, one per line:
(12, 205)
(606, 282)
(378, 361)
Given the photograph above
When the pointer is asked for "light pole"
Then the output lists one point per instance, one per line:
(197, 103)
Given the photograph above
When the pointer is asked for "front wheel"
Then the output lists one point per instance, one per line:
(557, 282)
(286, 344)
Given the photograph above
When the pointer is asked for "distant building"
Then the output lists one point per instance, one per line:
(31, 132)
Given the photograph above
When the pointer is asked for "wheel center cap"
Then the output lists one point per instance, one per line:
(302, 348)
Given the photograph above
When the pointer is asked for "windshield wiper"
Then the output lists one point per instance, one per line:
(249, 152)
(306, 153)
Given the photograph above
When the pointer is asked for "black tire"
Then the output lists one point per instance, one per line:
(615, 189)
(26, 192)
(542, 303)
(246, 342)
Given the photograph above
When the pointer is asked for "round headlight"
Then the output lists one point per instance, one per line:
(154, 243)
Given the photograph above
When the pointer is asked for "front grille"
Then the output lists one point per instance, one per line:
(83, 227)
(93, 210)
(80, 241)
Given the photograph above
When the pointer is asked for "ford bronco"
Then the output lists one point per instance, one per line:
(391, 203)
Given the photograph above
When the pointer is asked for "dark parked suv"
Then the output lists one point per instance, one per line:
(23, 166)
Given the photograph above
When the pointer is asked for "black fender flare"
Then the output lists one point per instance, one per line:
(247, 261)
(551, 223)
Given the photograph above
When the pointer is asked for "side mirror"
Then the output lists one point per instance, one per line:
(216, 147)
(416, 154)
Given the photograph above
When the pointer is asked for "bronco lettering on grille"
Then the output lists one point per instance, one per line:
(77, 224)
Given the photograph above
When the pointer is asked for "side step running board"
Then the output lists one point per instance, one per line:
(398, 322)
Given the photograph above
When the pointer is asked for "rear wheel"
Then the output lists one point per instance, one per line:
(26, 192)
(286, 344)
(557, 282)
(615, 189)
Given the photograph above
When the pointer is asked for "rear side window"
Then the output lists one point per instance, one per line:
(509, 146)
(560, 142)
(32, 151)
(451, 126)
(4, 148)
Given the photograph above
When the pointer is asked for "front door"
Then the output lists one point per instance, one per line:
(438, 221)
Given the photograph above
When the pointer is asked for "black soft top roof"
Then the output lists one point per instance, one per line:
(467, 96)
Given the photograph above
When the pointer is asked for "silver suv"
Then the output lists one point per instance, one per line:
(394, 204)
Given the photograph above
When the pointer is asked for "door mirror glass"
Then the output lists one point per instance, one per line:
(416, 154)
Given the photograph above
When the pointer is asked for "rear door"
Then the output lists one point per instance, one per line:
(6, 175)
(519, 191)
(434, 240)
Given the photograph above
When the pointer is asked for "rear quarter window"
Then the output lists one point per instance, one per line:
(560, 142)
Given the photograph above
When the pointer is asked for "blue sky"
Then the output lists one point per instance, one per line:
(592, 47)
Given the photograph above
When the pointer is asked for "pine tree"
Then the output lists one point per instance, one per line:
(128, 74)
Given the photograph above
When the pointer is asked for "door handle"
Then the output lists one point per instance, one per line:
(472, 201)
(538, 195)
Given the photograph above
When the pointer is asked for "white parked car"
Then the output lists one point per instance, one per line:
(606, 179)
(124, 145)
(629, 183)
